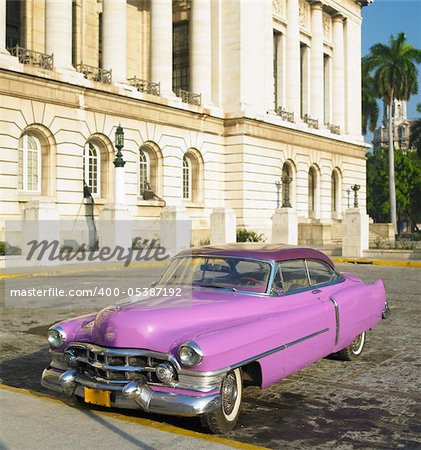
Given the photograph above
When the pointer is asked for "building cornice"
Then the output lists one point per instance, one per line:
(364, 2)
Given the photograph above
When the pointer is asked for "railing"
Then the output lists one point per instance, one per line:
(285, 115)
(190, 97)
(312, 123)
(334, 129)
(94, 73)
(148, 87)
(33, 58)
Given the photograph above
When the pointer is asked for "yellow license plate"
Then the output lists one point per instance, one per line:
(97, 397)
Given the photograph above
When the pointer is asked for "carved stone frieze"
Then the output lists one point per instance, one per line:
(279, 7)
(304, 14)
(327, 27)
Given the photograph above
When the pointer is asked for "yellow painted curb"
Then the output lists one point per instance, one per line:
(86, 269)
(378, 262)
(141, 421)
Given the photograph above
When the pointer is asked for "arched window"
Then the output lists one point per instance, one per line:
(312, 189)
(335, 190)
(92, 168)
(187, 178)
(29, 163)
(150, 171)
(144, 172)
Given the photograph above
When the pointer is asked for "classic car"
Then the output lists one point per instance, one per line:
(234, 316)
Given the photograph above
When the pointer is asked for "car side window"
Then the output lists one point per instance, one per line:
(292, 275)
(320, 272)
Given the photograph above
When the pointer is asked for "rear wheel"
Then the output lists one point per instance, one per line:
(354, 350)
(225, 417)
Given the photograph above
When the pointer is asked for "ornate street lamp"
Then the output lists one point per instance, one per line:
(355, 188)
(119, 143)
(286, 181)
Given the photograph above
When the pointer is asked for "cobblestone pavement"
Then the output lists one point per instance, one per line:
(373, 403)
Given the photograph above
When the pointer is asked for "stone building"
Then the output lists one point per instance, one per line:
(217, 98)
(401, 127)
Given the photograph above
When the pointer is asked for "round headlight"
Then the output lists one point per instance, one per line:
(165, 373)
(56, 337)
(190, 354)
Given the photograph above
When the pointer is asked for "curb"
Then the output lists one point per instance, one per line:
(378, 262)
(140, 421)
(374, 262)
(81, 270)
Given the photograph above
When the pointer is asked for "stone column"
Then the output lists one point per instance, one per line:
(115, 227)
(317, 81)
(114, 39)
(223, 226)
(293, 58)
(338, 103)
(200, 49)
(41, 223)
(355, 233)
(58, 32)
(285, 226)
(353, 77)
(175, 229)
(161, 45)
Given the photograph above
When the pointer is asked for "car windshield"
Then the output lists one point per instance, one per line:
(216, 272)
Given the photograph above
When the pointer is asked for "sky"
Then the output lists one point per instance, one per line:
(385, 17)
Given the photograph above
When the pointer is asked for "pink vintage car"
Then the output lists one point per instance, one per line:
(225, 317)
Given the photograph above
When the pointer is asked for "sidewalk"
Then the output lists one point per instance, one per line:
(33, 421)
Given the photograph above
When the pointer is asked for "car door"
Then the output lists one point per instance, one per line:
(306, 320)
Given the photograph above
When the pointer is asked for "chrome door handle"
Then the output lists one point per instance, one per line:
(316, 291)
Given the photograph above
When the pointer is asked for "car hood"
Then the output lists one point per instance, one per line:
(163, 323)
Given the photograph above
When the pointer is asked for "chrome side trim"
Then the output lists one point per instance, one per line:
(336, 306)
(278, 349)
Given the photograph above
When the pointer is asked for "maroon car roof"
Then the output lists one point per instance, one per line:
(268, 252)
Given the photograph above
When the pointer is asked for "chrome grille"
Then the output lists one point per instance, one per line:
(116, 365)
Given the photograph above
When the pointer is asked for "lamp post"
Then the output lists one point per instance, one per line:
(119, 194)
(286, 181)
(355, 188)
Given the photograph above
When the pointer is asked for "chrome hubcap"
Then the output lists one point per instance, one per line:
(229, 393)
(356, 343)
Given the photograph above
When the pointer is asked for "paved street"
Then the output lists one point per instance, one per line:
(372, 403)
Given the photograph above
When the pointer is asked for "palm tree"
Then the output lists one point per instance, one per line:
(370, 108)
(395, 78)
(415, 137)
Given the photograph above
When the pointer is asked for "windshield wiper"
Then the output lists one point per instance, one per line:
(216, 286)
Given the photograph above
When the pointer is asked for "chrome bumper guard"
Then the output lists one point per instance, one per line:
(386, 311)
(133, 395)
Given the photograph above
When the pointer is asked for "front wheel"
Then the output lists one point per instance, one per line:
(354, 350)
(225, 417)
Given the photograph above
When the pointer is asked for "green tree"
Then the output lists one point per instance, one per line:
(415, 138)
(395, 78)
(408, 185)
(370, 108)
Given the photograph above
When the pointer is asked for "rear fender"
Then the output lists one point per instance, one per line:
(360, 307)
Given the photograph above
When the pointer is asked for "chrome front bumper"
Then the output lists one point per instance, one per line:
(133, 395)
